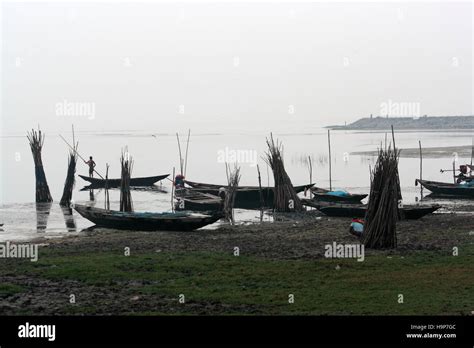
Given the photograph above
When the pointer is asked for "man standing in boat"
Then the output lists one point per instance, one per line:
(91, 165)
(179, 181)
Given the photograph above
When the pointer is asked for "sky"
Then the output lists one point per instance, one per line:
(212, 67)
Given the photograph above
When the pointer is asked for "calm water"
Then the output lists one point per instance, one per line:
(158, 155)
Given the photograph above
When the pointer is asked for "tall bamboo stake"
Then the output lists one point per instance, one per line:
(231, 192)
(285, 197)
(472, 150)
(421, 166)
(186, 156)
(36, 140)
(454, 170)
(172, 190)
(107, 198)
(126, 203)
(260, 188)
(310, 175)
(330, 169)
(180, 156)
(262, 202)
(382, 211)
(70, 178)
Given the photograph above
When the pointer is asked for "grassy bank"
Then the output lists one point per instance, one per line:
(107, 282)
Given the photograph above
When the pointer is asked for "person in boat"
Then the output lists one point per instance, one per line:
(91, 165)
(179, 181)
(357, 227)
(463, 174)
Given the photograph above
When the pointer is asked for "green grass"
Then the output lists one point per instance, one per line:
(431, 282)
(8, 289)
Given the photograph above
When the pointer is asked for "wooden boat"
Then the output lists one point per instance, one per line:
(112, 183)
(443, 188)
(321, 194)
(358, 211)
(246, 195)
(136, 221)
(189, 199)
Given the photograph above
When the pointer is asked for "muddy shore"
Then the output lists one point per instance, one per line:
(287, 239)
(283, 241)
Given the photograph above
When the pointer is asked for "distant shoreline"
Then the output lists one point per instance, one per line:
(410, 123)
(428, 152)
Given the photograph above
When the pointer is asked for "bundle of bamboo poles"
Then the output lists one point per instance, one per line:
(382, 211)
(70, 178)
(126, 203)
(285, 197)
(233, 179)
(36, 139)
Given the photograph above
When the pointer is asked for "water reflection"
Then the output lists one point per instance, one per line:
(42, 216)
(69, 219)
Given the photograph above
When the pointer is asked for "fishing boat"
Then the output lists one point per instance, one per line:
(340, 196)
(413, 212)
(245, 195)
(111, 183)
(463, 189)
(189, 199)
(145, 221)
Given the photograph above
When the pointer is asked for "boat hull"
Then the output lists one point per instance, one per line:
(324, 196)
(246, 197)
(446, 189)
(351, 211)
(146, 221)
(114, 183)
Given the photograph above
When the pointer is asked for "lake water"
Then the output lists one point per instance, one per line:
(158, 154)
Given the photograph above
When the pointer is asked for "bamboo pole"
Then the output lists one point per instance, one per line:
(330, 169)
(260, 188)
(262, 204)
(421, 167)
(172, 191)
(186, 155)
(310, 175)
(472, 150)
(454, 170)
(107, 198)
(73, 136)
(180, 156)
(421, 162)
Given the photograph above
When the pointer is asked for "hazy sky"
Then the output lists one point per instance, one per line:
(165, 66)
